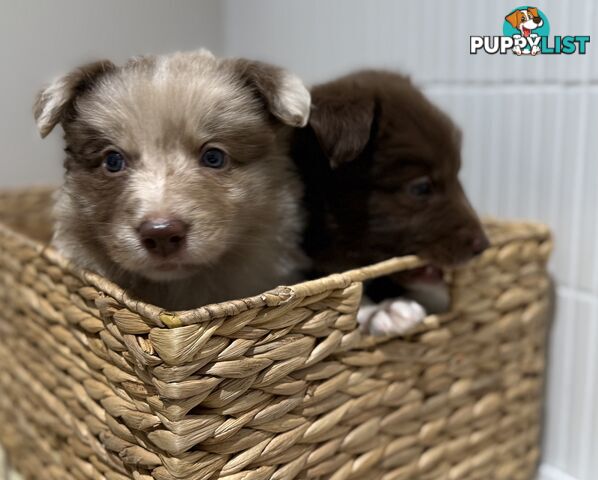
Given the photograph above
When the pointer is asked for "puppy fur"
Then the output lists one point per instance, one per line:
(160, 113)
(381, 164)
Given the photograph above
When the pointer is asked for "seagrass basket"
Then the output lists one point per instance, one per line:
(95, 385)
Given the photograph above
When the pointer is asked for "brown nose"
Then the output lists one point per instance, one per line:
(163, 237)
(479, 243)
(537, 20)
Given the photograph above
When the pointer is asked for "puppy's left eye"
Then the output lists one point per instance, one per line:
(114, 162)
(420, 187)
(213, 158)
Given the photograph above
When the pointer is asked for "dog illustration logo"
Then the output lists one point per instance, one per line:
(526, 32)
(529, 24)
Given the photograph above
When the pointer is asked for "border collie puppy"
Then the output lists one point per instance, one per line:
(179, 185)
(380, 164)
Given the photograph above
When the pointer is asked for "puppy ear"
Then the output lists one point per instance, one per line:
(53, 101)
(283, 92)
(342, 126)
(513, 18)
(533, 11)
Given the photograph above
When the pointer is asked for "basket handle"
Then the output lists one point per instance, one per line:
(386, 267)
(343, 280)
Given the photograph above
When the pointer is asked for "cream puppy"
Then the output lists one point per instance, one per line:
(174, 166)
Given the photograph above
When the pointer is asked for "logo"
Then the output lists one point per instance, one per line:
(526, 31)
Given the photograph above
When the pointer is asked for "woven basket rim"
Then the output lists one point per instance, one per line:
(272, 298)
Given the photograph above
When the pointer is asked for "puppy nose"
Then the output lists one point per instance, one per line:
(479, 243)
(537, 20)
(163, 237)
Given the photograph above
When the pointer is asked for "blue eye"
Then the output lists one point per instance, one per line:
(213, 158)
(114, 162)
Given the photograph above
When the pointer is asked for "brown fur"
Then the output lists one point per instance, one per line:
(371, 134)
(162, 111)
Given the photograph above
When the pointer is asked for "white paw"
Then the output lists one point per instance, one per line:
(390, 318)
(535, 50)
(517, 50)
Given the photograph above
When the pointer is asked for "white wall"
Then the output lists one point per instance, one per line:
(531, 146)
(40, 40)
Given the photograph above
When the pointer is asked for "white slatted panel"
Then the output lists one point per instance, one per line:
(530, 150)
(427, 37)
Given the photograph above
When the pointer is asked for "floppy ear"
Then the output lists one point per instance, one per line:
(342, 126)
(533, 11)
(513, 19)
(53, 101)
(283, 92)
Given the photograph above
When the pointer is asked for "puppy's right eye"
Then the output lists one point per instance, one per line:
(114, 163)
(213, 158)
(420, 187)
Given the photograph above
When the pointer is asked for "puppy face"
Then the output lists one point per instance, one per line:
(392, 187)
(171, 160)
(525, 20)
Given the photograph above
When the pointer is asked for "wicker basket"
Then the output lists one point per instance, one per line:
(95, 385)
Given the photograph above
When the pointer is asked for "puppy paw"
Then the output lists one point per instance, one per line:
(391, 318)
(535, 50)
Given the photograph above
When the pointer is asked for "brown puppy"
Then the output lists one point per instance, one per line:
(381, 165)
(173, 172)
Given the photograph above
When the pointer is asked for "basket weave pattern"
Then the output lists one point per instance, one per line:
(95, 385)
